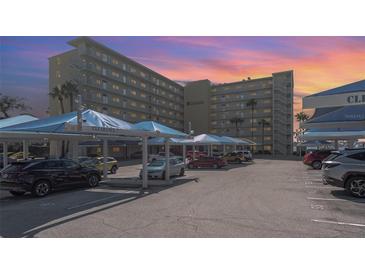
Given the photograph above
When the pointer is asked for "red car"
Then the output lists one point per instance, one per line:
(315, 158)
(198, 154)
(205, 161)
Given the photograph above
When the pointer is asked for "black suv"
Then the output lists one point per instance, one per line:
(43, 176)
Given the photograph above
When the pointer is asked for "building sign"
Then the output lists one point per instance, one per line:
(336, 100)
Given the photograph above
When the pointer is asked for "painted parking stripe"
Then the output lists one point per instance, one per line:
(325, 199)
(93, 202)
(337, 223)
(325, 187)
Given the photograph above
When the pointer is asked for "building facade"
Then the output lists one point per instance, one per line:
(116, 85)
(225, 109)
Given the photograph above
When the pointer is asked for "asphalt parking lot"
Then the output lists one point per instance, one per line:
(268, 198)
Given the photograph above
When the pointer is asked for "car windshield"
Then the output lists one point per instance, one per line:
(157, 163)
(332, 156)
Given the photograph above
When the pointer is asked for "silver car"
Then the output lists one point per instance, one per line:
(157, 168)
(347, 170)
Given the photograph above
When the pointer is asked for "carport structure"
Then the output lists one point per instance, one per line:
(88, 125)
(200, 140)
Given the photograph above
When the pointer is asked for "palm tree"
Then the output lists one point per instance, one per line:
(236, 121)
(263, 123)
(66, 90)
(252, 103)
(8, 103)
(300, 117)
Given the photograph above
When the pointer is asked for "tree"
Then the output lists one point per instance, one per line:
(8, 103)
(236, 121)
(300, 117)
(263, 123)
(252, 103)
(63, 92)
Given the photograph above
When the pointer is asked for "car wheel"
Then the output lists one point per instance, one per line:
(17, 193)
(114, 169)
(317, 164)
(190, 166)
(356, 186)
(182, 172)
(215, 166)
(41, 188)
(93, 180)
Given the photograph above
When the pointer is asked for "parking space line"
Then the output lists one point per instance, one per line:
(92, 202)
(325, 199)
(325, 187)
(337, 223)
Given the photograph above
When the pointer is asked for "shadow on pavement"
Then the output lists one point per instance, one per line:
(26, 216)
(344, 195)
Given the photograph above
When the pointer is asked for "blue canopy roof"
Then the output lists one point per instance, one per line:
(56, 124)
(20, 119)
(344, 114)
(159, 128)
(352, 87)
(162, 140)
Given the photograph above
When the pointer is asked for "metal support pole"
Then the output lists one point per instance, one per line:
(224, 150)
(25, 150)
(184, 154)
(105, 154)
(5, 154)
(336, 144)
(75, 150)
(235, 147)
(193, 152)
(167, 154)
(144, 162)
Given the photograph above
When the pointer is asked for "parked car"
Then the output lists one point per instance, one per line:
(234, 157)
(246, 153)
(136, 155)
(205, 161)
(157, 168)
(10, 160)
(315, 158)
(98, 162)
(346, 170)
(20, 156)
(189, 154)
(160, 155)
(40, 177)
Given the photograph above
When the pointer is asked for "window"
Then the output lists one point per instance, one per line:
(143, 85)
(115, 74)
(116, 87)
(115, 149)
(103, 71)
(58, 74)
(133, 115)
(116, 99)
(104, 57)
(134, 82)
(133, 92)
(105, 99)
(132, 69)
(267, 110)
(115, 62)
(104, 84)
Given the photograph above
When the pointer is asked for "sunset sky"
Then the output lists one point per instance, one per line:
(319, 63)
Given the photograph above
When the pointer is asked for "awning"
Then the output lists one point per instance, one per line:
(20, 119)
(334, 134)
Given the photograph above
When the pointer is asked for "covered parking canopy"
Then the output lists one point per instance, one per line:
(86, 125)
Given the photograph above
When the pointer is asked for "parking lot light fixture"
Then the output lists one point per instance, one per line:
(167, 157)
(105, 154)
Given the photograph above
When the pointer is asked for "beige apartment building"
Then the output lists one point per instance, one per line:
(118, 86)
(224, 109)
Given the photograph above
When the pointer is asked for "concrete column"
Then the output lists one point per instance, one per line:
(167, 154)
(54, 147)
(25, 150)
(193, 152)
(105, 154)
(224, 149)
(235, 147)
(144, 162)
(5, 154)
(184, 154)
(75, 150)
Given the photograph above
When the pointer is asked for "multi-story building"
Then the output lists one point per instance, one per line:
(225, 109)
(114, 84)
